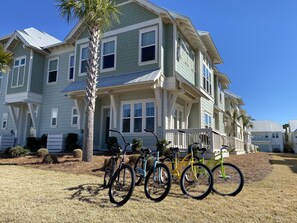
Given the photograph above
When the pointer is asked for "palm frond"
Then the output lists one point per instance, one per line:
(6, 59)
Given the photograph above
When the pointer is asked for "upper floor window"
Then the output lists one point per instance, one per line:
(52, 71)
(207, 74)
(54, 117)
(148, 45)
(4, 121)
(108, 57)
(185, 53)
(275, 135)
(71, 68)
(137, 116)
(18, 72)
(220, 92)
(83, 63)
(207, 120)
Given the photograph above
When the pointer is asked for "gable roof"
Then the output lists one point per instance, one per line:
(234, 96)
(33, 38)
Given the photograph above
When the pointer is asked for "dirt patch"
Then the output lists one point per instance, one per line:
(255, 166)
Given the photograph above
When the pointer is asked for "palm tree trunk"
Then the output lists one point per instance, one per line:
(91, 89)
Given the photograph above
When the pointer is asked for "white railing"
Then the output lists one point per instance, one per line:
(55, 142)
(207, 138)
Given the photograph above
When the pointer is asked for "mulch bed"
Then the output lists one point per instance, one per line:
(255, 166)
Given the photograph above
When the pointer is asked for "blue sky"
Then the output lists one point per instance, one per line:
(257, 40)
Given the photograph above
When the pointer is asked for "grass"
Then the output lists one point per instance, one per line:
(32, 195)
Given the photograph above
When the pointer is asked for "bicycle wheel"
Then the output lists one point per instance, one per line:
(122, 185)
(139, 168)
(196, 181)
(230, 183)
(158, 182)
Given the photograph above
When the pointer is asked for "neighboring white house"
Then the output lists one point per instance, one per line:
(292, 134)
(268, 136)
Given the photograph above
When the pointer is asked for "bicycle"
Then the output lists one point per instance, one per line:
(228, 178)
(196, 178)
(158, 179)
(122, 182)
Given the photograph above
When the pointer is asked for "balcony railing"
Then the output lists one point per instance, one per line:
(207, 138)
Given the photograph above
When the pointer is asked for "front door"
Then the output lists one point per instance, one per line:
(105, 127)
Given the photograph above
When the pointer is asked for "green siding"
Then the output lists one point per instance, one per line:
(37, 73)
(168, 50)
(19, 51)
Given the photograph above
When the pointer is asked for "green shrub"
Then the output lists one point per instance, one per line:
(42, 152)
(137, 144)
(110, 141)
(77, 153)
(50, 158)
(288, 148)
(161, 147)
(17, 151)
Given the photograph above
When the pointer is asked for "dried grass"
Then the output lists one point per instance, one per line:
(33, 195)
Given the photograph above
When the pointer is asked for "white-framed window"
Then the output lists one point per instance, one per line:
(52, 70)
(4, 121)
(71, 67)
(207, 74)
(178, 117)
(185, 53)
(207, 120)
(54, 118)
(148, 46)
(138, 115)
(74, 117)
(18, 72)
(108, 54)
(83, 59)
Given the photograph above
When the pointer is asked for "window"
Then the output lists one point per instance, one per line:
(108, 60)
(71, 68)
(18, 72)
(274, 135)
(54, 117)
(207, 120)
(74, 116)
(220, 92)
(52, 71)
(148, 47)
(178, 117)
(207, 74)
(143, 116)
(4, 121)
(83, 65)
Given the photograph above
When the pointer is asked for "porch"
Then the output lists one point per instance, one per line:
(207, 138)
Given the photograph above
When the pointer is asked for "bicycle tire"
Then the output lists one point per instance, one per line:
(116, 186)
(158, 181)
(201, 184)
(138, 176)
(232, 184)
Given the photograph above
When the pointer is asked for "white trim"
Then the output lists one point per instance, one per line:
(142, 31)
(143, 117)
(82, 41)
(30, 70)
(18, 75)
(69, 62)
(124, 3)
(52, 110)
(23, 97)
(111, 39)
(137, 26)
(160, 46)
(114, 110)
(48, 67)
(79, 59)
(58, 52)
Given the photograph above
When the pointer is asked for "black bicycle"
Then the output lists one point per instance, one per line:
(122, 182)
(156, 174)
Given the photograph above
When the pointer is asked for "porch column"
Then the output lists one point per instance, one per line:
(172, 100)
(114, 110)
(81, 109)
(158, 97)
(188, 108)
(34, 113)
(15, 118)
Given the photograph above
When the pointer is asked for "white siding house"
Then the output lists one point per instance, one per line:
(292, 135)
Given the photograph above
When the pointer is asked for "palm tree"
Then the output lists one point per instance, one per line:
(6, 59)
(246, 124)
(97, 15)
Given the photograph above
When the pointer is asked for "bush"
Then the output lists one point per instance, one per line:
(288, 148)
(50, 158)
(77, 153)
(137, 144)
(110, 141)
(161, 147)
(42, 152)
(17, 151)
(71, 142)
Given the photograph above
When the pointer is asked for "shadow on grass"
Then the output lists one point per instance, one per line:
(289, 160)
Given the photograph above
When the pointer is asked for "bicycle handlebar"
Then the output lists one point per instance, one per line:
(127, 143)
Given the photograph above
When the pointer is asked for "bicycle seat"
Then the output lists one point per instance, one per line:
(202, 149)
(174, 149)
(145, 151)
